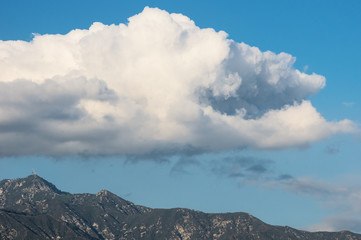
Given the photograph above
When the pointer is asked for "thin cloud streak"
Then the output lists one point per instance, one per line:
(339, 196)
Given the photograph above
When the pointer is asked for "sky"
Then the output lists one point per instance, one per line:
(232, 106)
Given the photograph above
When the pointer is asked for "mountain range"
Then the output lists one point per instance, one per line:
(33, 208)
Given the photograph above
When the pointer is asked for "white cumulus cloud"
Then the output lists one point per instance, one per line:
(158, 84)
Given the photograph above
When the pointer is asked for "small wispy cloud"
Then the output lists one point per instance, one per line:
(305, 68)
(332, 149)
(242, 168)
(338, 223)
(348, 104)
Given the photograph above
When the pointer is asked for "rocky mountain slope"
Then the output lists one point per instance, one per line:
(32, 208)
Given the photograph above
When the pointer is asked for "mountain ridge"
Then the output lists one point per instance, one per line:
(33, 208)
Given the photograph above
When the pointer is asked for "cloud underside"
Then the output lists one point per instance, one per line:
(158, 84)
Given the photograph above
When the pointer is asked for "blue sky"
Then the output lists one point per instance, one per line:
(310, 183)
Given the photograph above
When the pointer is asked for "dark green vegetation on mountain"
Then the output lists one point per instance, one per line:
(32, 208)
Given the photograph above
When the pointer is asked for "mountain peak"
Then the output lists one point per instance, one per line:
(23, 191)
(37, 183)
(102, 193)
(107, 195)
(34, 176)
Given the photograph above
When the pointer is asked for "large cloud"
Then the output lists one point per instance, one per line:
(157, 85)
